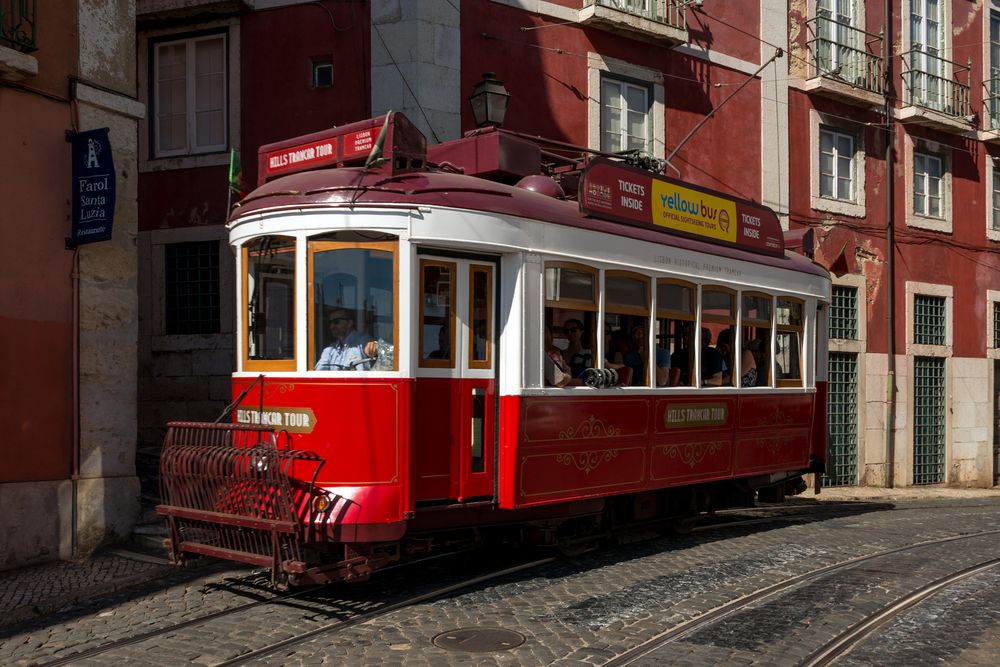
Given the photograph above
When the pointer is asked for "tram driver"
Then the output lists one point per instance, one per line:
(350, 349)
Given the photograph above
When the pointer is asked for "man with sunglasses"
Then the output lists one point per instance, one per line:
(350, 349)
(577, 356)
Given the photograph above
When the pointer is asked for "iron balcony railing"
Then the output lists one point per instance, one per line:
(844, 53)
(928, 84)
(17, 24)
(991, 98)
(667, 12)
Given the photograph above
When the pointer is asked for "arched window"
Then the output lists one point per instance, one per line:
(718, 321)
(788, 342)
(570, 320)
(675, 328)
(755, 339)
(626, 325)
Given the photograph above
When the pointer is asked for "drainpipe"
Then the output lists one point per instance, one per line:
(75, 401)
(890, 240)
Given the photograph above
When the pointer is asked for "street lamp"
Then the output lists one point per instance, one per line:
(489, 101)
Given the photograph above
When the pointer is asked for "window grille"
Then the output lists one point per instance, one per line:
(929, 320)
(995, 219)
(842, 424)
(844, 313)
(192, 288)
(996, 324)
(928, 420)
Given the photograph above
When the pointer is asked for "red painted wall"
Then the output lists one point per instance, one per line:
(36, 332)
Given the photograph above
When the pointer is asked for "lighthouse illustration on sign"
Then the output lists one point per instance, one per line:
(93, 148)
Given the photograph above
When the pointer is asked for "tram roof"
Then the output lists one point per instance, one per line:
(357, 187)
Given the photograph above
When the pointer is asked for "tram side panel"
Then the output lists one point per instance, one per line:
(563, 448)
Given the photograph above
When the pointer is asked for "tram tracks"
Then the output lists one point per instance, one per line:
(844, 641)
(262, 651)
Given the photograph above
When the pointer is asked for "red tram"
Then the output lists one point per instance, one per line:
(441, 342)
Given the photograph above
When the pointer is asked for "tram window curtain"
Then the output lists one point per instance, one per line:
(189, 95)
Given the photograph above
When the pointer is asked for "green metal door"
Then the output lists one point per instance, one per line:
(928, 420)
(842, 425)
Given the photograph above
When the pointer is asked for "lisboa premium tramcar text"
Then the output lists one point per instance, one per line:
(441, 345)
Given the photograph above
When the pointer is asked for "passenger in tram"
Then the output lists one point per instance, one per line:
(748, 367)
(578, 357)
(724, 344)
(712, 364)
(350, 349)
(635, 359)
(557, 372)
(443, 350)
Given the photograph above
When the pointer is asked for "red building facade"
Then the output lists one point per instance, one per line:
(775, 101)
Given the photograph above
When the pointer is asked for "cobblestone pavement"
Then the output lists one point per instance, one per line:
(593, 608)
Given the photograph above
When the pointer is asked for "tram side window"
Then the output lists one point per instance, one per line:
(437, 314)
(788, 345)
(481, 320)
(755, 359)
(675, 324)
(269, 293)
(626, 327)
(718, 321)
(353, 303)
(570, 319)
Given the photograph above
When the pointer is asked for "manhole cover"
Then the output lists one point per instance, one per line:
(477, 640)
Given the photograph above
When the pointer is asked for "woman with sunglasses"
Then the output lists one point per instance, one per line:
(578, 357)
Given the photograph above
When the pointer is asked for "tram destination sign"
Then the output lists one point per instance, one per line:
(613, 191)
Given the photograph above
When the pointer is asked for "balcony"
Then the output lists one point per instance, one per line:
(991, 107)
(17, 24)
(936, 99)
(151, 13)
(662, 22)
(846, 62)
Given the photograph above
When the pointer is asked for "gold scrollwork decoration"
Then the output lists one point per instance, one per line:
(776, 418)
(773, 445)
(590, 428)
(587, 461)
(693, 453)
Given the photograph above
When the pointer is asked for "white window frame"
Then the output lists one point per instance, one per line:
(148, 161)
(939, 49)
(915, 218)
(624, 88)
(836, 159)
(928, 173)
(854, 207)
(992, 301)
(190, 81)
(991, 67)
(840, 13)
(599, 65)
(993, 199)
(947, 292)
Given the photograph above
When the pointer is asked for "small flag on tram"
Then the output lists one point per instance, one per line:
(235, 173)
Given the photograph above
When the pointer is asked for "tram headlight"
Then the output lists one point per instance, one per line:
(320, 503)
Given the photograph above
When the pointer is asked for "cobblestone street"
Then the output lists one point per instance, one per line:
(596, 608)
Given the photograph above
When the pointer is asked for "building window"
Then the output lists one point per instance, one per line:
(928, 420)
(929, 320)
(927, 83)
(836, 165)
(192, 288)
(322, 73)
(995, 219)
(837, 40)
(189, 96)
(993, 85)
(844, 313)
(625, 116)
(996, 324)
(928, 177)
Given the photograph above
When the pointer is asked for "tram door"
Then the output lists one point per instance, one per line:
(455, 392)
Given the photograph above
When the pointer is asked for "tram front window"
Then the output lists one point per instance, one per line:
(353, 305)
(269, 295)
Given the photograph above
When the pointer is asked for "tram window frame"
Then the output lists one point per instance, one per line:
(287, 363)
(437, 362)
(763, 359)
(630, 311)
(586, 310)
(789, 328)
(319, 244)
(728, 323)
(486, 362)
(671, 314)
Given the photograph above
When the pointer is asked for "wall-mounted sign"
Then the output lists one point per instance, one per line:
(93, 187)
(614, 191)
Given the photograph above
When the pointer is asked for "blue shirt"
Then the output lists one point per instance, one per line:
(339, 357)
